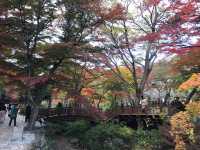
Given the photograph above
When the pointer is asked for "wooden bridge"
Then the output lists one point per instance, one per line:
(93, 114)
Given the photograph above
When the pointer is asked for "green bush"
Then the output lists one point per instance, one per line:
(147, 140)
(108, 137)
(55, 128)
(76, 129)
(70, 130)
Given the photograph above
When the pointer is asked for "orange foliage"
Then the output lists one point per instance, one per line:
(187, 60)
(193, 109)
(87, 91)
(116, 12)
(123, 71)
(183, 128)
(6, 72)
(192, 82)
(119, 93)
(181, 123)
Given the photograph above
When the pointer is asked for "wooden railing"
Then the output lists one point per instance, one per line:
(95, 114)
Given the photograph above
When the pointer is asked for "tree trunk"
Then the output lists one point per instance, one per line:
(139, 95)
(98, 104)
(190, 95)
(34, 115)
(49, 103)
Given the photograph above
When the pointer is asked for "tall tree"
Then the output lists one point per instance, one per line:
(132, 41)
(146, 29)
(26, 22)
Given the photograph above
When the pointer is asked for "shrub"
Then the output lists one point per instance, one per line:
(109, 137)
(184, 127)
(147, 140)
(55, 128)
(76, 129)
(69, 129)
(193, 109)
(106, 136)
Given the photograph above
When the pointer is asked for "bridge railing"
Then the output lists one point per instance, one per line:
(101, 115)
(137, 110)
(75, 111)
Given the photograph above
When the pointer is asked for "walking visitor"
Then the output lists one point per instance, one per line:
(2, 112)
(28, 113)
(13, 114)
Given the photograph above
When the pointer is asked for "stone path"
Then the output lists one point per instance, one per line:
(14, 138)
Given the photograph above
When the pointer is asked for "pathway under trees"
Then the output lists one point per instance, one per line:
(14, 138)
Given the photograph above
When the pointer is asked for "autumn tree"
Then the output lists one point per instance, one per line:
(108, 88)
(192, 85)
(35, 63)
(136, 38)
(186, 63)
(27, 22)
(46, 42)
(182, 27)
(78, 21)
(132, 41)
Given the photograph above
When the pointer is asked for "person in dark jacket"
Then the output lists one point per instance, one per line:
(2, 107)
(28, 113)
(176, 106)
(9, 107)
(13, 114)
(2, 112)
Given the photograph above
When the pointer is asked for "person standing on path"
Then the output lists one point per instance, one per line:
(13, 114)
(2, 112)
(28, 113)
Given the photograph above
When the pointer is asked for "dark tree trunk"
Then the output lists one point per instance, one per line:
(49, 103)
(190, 95)
(34, 115)
(98, 104)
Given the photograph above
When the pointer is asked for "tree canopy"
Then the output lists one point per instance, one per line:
(95, 47)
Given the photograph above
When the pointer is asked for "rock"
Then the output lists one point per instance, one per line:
(118, 141)
(74, 141)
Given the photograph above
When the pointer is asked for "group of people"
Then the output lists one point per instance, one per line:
(12, 111)
(176, 103)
